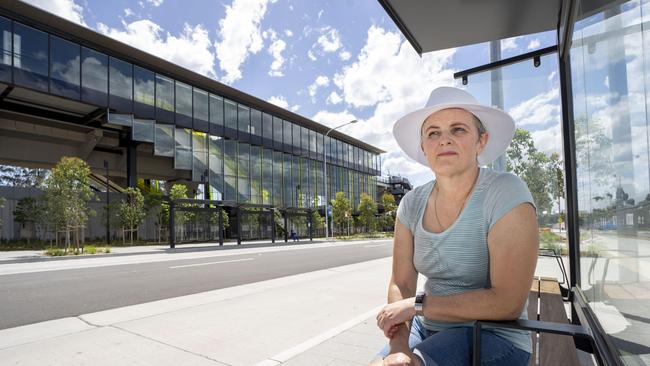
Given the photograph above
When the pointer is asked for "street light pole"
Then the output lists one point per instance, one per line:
(325, 174)
(108, 218)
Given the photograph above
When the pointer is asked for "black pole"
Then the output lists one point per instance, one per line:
(238, 226)
(272, 212)
(220, 226)
(108, 214)
(311, 225)
(286, 227)
(172, 230)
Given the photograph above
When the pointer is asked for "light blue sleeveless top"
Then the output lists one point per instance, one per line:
(457, 260)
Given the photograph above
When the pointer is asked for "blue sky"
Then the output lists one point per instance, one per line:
(331, 61)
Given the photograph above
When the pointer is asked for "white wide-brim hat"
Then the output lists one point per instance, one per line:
(499, 125)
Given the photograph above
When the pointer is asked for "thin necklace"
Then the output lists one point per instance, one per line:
(435, 201)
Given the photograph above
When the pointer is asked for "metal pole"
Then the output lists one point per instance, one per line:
(325, 175)
(220, 225)
(108, 215)
(172, 230)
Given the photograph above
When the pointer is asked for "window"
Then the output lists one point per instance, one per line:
(120, 86)
(267, 177)
(278, 184)
(183, 149)
(230, 116)
(164, 99)
(277, 133)
(296, 140)
(183, 105)
(5, 47)
(256, 127)
(143, 130)
(94, 77)
(267, 130)
(243, 122)
(256, 174)
(287, 181)
(312, 143)
(230, 170)
(30, 57)
(287, 145)
(164, 140)
(216, 115)
(200, 107)
(199, 157)
(143, 93)
(243, 173)
(216, 167)
(65, 68)
(304, 138)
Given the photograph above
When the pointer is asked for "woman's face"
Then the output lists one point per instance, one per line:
(451, 141)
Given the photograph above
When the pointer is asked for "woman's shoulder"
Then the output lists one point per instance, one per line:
(419, 191)
(502, 181)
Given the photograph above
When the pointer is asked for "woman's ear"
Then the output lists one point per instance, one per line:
(482, 141)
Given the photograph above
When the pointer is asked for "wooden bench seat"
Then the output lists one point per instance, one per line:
(545, 304)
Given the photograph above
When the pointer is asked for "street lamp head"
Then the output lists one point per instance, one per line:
(354, 121)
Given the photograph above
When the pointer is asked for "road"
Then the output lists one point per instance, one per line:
(27, 298)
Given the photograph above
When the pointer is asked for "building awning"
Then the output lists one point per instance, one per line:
(440, 24)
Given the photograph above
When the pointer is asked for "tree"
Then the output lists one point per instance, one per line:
(556, 180)
(341, 210)
(28, 212)
(179, 191)
(21, 177)
(67, 193)
(367, 210)
(132, 211)
(317, 221)
(531, 165)
(390, 210)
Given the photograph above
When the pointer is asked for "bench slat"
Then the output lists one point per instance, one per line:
(532, 315)
(554, 349)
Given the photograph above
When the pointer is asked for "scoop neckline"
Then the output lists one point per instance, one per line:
(460, 215)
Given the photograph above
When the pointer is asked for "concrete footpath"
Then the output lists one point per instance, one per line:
(319, 318)
(291, 320)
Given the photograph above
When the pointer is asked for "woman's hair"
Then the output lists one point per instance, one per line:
(477, 122)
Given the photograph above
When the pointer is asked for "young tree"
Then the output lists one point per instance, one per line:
(132, 211)
(390, 210)
(367, 210)
(27, 214)
(341, 210)
(67, 193)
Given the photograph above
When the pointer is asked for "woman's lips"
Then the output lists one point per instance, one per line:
(447, 153)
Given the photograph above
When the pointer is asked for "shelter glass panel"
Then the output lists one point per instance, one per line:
(65, 68)
(30, 57)
(94, 77)
(120, 85)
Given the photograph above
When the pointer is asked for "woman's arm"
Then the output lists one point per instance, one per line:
(513, 242)
(403, 282)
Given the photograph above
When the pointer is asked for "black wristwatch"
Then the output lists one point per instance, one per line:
(419, 303)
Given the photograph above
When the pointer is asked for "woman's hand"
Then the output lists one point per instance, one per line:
(401, 359)
(395, 314)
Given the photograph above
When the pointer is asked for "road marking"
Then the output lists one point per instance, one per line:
(374, 245)
(205, 264)
(312, 342)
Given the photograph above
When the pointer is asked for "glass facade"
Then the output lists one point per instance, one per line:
(246, 155)
(120, 85)
(94, 77)
(65, 68)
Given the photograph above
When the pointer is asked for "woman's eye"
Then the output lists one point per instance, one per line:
(434, 133)
(459, 129)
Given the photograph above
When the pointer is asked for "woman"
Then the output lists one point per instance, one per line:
(472, 232)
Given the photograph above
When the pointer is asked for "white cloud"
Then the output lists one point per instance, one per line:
(345, 55)
(320, 13)
(150, 37)
(275, 49)
(155, 3)
(543, 109)
(551, 76)
(333, 119)
(330, 41)
(509, 43)
(534, 44)
(321, 81)
(240, 36)
(288, 33)
(67, 9)
(334, 98)
(311, 55)
(282, 102)
(128, 12)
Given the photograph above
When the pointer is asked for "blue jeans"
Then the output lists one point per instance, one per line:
(453, 347)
